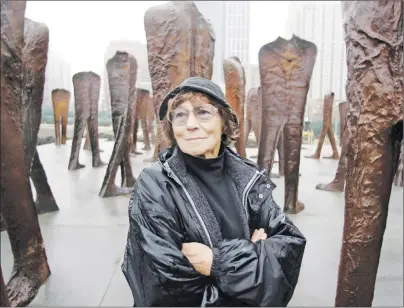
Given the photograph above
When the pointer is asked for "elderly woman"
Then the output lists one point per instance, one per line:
(204, 228)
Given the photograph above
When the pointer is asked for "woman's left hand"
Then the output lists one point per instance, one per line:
(200, 256)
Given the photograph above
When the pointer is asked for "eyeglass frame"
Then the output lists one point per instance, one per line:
(215, 111)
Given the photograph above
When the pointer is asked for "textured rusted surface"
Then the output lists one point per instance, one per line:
(253, 113)
(60, 102)
(399, 177)
(180, 44)
(4, 302)
(234, 78)
(30, 268)
(86, 94)
(35, 57)
(122, 74)
(326, 130)
(145, 115)
(285, 67)
(374, 45)
(338, 183)
(343, 112)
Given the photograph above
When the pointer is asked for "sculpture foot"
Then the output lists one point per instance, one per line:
(314, 156)
(146, 148)
(46, 204)
(137, 153)
(130, 182)
(333, 156)
(274, 175)
(76, 166)
(98, 163)
(22, 287)
(334, 186)
(113, 191)
(149, 160)
(254, 156)
(299, 207)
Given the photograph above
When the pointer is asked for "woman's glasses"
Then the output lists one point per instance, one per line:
(202, 113)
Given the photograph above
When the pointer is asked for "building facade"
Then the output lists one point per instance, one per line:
(231, 22)
(321, 23)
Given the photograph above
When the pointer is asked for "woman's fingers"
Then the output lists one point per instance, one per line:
(257, 235)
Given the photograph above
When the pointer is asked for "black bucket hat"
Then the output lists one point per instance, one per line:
(197, 84)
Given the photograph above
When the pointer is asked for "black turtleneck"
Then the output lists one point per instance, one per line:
(215, 184)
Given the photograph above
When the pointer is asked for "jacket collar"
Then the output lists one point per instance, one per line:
(239, 169)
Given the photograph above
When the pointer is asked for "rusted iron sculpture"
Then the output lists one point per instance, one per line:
(374, 45)
(30, 268)
(180, 44)
(234, 78)
(253, 116)
(253, 120)
(35, 57)
(134, 125)
(60, 103)
(122, 74)
(399, 178)
(343, 112)
(327, 130)
(285, 67)
(338, 184)
(4, 302)
(145, 115)
(86, 94)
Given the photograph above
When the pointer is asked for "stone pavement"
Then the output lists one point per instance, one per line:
(85, 240)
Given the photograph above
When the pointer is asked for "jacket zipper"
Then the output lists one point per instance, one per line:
(174, 176)
(247, 189)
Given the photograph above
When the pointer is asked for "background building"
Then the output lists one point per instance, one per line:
(231, 22)
(321, 23)
(330, 69)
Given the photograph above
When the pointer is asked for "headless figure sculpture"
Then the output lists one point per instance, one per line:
(338, 183)
(60, 103)
(180, 44)
(285, 69)
(86, 95)
(235, 92)
(327, 130)
(144, 107)
(34, 60)
(30, 268)
(122, 73)
(375, 130)
(254, 121)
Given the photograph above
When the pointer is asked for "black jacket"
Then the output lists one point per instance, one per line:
(167, 209)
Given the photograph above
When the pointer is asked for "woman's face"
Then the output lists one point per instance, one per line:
(197, 128)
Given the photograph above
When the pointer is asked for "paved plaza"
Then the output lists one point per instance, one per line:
(85, 240)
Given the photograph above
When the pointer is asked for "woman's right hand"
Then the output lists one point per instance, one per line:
(258, 235)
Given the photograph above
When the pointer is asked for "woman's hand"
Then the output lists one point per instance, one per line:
(200, 256)
(258, 235)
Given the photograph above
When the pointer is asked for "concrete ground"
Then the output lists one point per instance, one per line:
(85, 240)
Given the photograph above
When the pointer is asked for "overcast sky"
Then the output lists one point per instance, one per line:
(80, 31)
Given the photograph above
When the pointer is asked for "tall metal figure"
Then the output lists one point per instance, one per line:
(338, 183)
(122, 73)
(235, 92)
(180, 44)
(285, 67)
(35, 57)
(374, 43)
(60, 103)
(86, 94)
(31, 267)
(327, 129)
